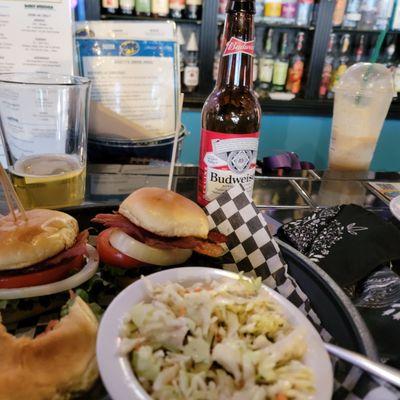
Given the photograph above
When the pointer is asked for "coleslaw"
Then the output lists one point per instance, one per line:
(215, 340)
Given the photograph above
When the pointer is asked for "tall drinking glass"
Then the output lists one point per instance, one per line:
(43, 122)
(362, 100)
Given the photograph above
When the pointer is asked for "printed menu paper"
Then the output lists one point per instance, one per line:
(134, 71)
(36, 36)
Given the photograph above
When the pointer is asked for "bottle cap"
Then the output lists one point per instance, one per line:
(179, 36)
(192, 43)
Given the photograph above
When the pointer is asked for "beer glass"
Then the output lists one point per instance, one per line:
(43, 122)
(362, 101)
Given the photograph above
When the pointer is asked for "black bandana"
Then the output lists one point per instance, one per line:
(347, 241)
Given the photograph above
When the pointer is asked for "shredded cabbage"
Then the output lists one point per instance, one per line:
(219, 340)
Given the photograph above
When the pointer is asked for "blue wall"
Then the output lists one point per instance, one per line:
(307, 136)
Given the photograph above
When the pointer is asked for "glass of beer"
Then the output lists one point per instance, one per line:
(43, 122)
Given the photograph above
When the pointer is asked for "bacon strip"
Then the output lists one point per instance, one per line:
(119, 221)
(208, 247)
(217, 237)
(78, 249)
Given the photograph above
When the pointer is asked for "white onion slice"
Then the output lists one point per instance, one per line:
(147, 254)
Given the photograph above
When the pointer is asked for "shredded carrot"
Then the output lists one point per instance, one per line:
(281, 396)
(198, 289)
(182, 311)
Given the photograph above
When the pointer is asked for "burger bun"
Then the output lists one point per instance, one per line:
(165, 213)
(45, 234)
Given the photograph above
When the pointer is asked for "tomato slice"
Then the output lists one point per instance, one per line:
(50, 274)
(112, 256)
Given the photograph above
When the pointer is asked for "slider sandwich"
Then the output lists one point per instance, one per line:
(45, 248)
(155, 226)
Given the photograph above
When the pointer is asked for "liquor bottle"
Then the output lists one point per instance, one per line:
(231, 114)
(159, 8)
(397, 78)
(222, 6)
(127, 6)
(360, 51)
(281, 66)
(259, 9)
(143, 7)
(388, 57)
(193, 9)
(343, 62)
(289, 11)
(191, 71)
(385, 10)
(328, 67)
(266, 67)
(396, 17)
(217, 57)
(338, 13)
(255, 67)
(353, 14)
(110, 6)
(181, 43)
(272, 9)
(304, 12)
(369, 14)
(296, 66)
(176, 8)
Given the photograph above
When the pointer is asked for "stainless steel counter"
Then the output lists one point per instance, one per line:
(284, 198)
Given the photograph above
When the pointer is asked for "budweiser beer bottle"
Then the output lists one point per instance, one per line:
(231, 114)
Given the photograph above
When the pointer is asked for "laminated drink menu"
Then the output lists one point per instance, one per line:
(134, 70)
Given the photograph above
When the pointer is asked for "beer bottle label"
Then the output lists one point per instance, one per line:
(272, 9)
(266, 69)
(226, 160)
(177, 4)
(110, 3)
(397, 79)
(236, 45)
(142, 6)
(325, 80)
(191, 76)
(127, 4)
(294, 77)
(280, 72)
(160, 7)
(337, 75)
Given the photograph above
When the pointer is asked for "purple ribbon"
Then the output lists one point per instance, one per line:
(288, 161)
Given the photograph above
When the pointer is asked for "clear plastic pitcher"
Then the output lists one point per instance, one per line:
(362, 100)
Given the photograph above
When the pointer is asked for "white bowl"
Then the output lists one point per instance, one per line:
(116, 372)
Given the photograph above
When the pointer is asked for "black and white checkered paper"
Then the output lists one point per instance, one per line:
(253, 251)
